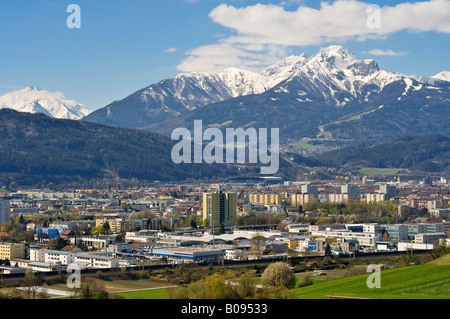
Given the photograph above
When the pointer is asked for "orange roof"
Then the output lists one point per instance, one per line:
(69, 248)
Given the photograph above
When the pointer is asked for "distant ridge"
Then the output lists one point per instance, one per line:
(34, 100)
(35, 148)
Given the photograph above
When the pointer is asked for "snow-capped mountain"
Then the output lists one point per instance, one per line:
(283, 70)
(303, 95)
(432, 80)
(34, 100)
(339, 77)
(188, 91)
(443, 76)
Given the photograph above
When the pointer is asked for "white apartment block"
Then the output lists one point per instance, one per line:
(97, 261)
(367, 240)
(58, 257)
(50, 256)
(37, 254)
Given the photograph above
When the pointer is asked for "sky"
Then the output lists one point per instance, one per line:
(122, 46)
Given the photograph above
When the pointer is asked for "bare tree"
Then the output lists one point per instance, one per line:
(30, 284)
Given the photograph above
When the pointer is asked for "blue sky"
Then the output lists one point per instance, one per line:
(125, 45)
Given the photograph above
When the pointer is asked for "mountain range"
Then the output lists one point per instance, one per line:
(332, 94)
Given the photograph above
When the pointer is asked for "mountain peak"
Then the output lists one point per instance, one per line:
(30, 88)
(336, 56)
(444, 76)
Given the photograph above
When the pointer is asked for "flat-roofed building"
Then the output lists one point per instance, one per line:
(397, 232)
(429, 238)
(11, 250)
(58, 256)
(219, 208)
(186, 255)
(5, 210)
(301, 199)
(96, 260)
(266, 199)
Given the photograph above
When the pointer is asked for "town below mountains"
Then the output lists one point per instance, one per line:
(363, 173)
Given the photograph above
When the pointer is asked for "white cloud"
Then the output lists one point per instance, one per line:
(269, 29)
(384, 52)
(171, 50)
(216, 57)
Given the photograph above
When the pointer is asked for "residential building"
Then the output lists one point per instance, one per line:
(375, 197)
(311, 189)
(117, 225)
(219, 208)
(11, 250)
(301, 199)
(389, 190)
(340, 198)
(266, 199)
(440, 212)
(351, 189)
(37, 253)
(5, 210)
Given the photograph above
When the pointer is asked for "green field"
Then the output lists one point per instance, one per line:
(425, 281)
(371, 171)
(413, 282)
(430, 281)
(144, 294)
(304, 145)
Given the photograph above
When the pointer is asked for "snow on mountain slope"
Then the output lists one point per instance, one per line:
(281, 71)
(339, 75)
(188, 91)
(34, 100)
(433, 80)
(444, 76)
(241, 82)
(333, 77)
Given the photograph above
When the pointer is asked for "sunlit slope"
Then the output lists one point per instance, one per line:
(413, 282)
